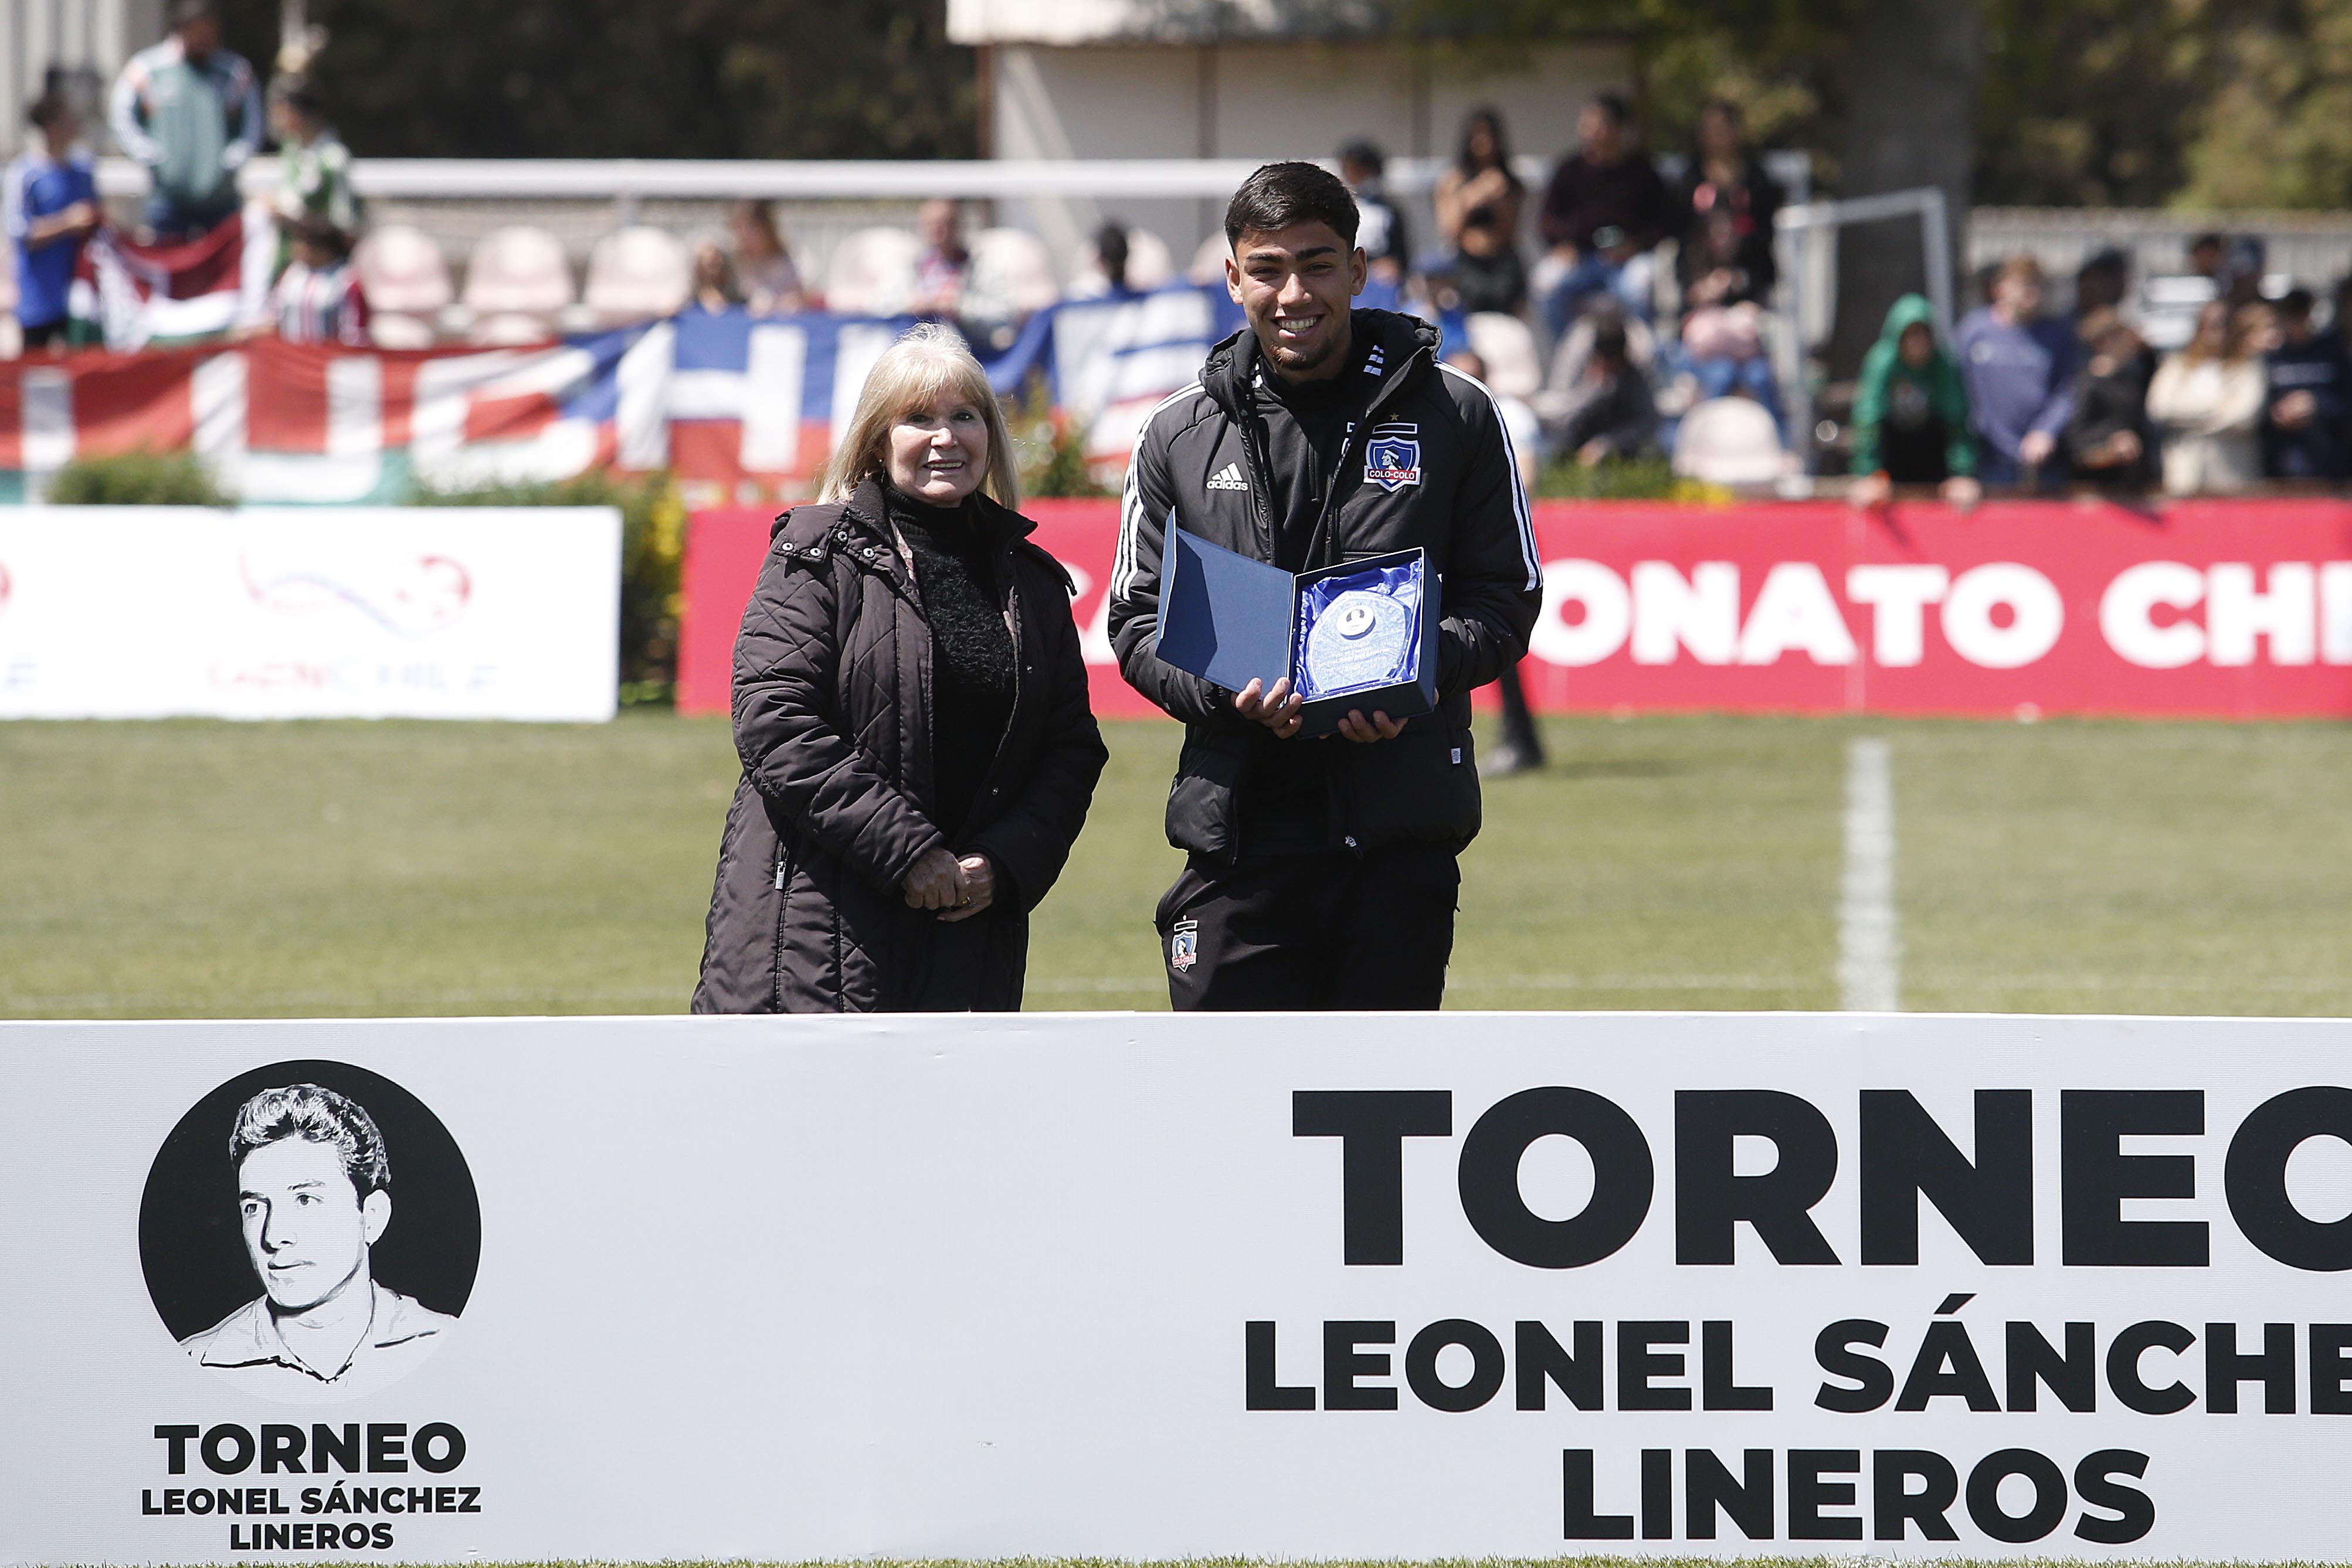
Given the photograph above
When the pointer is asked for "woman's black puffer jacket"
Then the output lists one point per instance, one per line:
(831, 703)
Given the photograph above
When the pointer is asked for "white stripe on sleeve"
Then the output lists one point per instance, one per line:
(1518, 494)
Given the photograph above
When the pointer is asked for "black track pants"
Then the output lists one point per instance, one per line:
(1518, 719)
(1312, 932)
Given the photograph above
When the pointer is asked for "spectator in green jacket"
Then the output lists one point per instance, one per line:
(1911, 414)
(314, 167)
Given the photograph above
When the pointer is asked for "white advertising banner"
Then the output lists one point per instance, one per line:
(1144, 1286)
(309, 613)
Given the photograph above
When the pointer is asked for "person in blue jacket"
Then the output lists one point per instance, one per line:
(2019, 369)
(48, 205)
(2304, 434)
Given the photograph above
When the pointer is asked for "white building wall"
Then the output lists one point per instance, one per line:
(1262, 99)
(88, 35)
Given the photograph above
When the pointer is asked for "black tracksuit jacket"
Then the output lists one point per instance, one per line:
(1207, 453)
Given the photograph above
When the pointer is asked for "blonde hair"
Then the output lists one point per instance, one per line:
(927, 359)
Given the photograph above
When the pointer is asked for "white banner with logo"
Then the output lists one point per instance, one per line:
(1139, 1287)
(366, 613)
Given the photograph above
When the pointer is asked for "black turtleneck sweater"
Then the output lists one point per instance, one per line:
(973, 674)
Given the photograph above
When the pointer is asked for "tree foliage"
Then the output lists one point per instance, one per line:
(637, 78)
(2194, 103)
(2275, 130)
(2204, 103)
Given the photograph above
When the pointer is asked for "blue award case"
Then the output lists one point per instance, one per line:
(1229, 620)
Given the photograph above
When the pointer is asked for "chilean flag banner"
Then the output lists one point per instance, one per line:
(741, 409)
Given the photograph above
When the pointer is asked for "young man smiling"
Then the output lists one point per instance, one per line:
(1321, 873)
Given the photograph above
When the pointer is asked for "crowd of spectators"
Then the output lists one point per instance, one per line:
(1620, 353)
(2040, 401)
(1627, 347)
(2021, 397)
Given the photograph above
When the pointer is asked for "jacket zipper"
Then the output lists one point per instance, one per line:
(1330, 509)
(1012, 609)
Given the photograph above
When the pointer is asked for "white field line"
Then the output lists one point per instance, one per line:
(1870, 941)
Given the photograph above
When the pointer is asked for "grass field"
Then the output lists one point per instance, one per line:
(199, 869)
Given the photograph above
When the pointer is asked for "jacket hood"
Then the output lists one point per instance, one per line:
(1398, 335)
(1912, 310)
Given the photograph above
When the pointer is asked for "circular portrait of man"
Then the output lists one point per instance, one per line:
(309, 1231)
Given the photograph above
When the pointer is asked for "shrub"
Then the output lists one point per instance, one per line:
(1645, 478)
(1049, 451)
(653, 542)
(137, 479)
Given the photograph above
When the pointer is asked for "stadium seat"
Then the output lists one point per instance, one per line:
(873, 273)
(1011, 275)
(1514, 366)
(636, 274)
(518, 283)
(1729, 441)
(401, 331)
(406, 282)
(1209, 261)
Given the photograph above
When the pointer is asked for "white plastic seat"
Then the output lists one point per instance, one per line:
(1209, 261)
(511, 330)
(1149, 264)
(519, 270)
(403, 272)
(1729, 441)
(1011, 275)
(400, 331)
(518, 283)
(636, 274)
(873, 273)
(1513, 365)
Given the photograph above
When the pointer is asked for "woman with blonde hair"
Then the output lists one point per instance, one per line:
(2207, 402)
(910, 708)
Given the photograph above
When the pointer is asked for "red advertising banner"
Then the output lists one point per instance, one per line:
(2228, 608)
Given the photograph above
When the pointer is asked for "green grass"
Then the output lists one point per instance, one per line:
(196, 869)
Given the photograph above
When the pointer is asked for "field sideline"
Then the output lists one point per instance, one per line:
(1852, 1561)
(208, 869)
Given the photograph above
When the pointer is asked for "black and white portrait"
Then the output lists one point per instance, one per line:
(313, 1184)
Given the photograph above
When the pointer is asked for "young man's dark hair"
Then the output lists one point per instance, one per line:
(1322, 873)
(49, 109)
(1362, 154)
(323, 1116)
(1613, 105)
(2296, 304)
(1282, 195)
(186, 11)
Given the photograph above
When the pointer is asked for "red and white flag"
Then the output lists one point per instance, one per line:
(136, 294)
